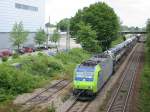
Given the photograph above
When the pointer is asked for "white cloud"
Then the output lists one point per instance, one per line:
(131, 12)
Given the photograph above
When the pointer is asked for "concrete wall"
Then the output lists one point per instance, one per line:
(5, 42)
(32, 20)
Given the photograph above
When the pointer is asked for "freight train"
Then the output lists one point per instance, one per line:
(91, 75)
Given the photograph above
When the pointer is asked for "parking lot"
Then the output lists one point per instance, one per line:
(62, 47)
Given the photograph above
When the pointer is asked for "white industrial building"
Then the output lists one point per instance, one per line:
(30, 12)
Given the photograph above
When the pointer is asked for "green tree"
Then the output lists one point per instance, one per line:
(55, 38)
(102, 19)
(148, 34)
(48, 25)
(18, 35)
(63, 24)
(40, 37)
(87, 38)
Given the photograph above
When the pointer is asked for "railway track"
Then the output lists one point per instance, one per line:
(118, 103)
(74, 105)
(78, 106)
(120, 99)
(44, 96)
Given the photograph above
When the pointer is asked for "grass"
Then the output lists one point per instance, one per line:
(35, 71)
(145, 85)
(52, 108)
(66, 97)
(14, 81)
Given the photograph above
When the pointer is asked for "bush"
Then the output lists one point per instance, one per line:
(13, 81)
(48, 66)
(117, 41)
(4, 59)
(3, 96)
(145, 86)
(73, 56)
(54, 65)
(36, 70)
(40, 54)
(42, 65)
(16, 55)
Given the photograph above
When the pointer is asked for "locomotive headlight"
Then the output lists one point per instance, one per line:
(80, 74)
(89, 77)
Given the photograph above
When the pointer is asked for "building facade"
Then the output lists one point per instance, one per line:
(29, 12)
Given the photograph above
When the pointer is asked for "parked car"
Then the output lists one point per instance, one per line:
(16, 65)
(42, 48)
(28, 49)
(6, 52)
(51, 46)
(50, 53)
(21, 51)
(1, 54)
(63, 50)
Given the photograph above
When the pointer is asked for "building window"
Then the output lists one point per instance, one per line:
(26, 7)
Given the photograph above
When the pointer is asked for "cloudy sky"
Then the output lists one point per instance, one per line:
(131, 12)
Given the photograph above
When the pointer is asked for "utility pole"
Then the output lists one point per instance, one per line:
(58, 30)
(48, 26)
(48, 31)
(68, 36)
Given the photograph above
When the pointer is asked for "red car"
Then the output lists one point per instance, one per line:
(28, 49)
(1, 54)
(5, 53)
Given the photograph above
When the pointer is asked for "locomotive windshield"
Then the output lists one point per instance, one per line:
(85, 74)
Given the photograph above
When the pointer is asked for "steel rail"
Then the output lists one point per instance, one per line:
(76, 101)
(122, 81)
(41, 92)
(85, 106)
(47, 97)
(131, 85)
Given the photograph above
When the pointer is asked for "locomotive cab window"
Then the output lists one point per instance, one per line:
(84, 76)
